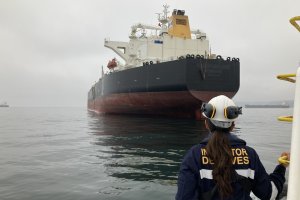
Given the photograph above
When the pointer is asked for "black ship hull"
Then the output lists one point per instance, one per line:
(174, 88)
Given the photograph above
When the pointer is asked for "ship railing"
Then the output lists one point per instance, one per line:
(294, 172)
(289, 78)
(143, 28)
(294, 20)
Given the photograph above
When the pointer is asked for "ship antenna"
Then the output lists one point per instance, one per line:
(164, 19)
(166, 11)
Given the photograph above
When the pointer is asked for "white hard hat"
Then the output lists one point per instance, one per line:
(221, 111)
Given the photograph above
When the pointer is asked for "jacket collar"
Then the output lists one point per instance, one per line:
(233, 139)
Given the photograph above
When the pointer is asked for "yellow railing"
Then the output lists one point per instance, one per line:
(285, 118)
(286, 77)
(289, 77)
(294, 22)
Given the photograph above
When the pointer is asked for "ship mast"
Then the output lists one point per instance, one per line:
(164, 19)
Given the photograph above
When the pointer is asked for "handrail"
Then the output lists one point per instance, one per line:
(285, 118)
(287, 77)
(294, 23)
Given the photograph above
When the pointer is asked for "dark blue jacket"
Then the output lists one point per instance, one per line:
(195, 176)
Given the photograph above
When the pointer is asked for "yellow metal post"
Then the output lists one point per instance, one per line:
(294, 175)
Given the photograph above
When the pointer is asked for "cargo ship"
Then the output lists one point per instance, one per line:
(4, 105)
(169, 72)
(267, 106)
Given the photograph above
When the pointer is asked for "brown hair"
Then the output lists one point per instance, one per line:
(219, 151)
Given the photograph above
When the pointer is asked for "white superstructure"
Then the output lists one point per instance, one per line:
(172, 40)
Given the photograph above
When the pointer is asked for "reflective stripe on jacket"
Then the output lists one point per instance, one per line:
(195, 176)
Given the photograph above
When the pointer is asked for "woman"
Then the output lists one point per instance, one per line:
(222, 166)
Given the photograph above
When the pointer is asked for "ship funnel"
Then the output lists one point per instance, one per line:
(179, 25)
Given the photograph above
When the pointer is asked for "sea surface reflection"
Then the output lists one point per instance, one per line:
(143, 148)
(70, 153)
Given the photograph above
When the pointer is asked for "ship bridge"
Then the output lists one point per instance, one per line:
(172, 39)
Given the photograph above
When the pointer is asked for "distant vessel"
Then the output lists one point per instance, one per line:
(169, 72)
(4, 105)
(267, 106)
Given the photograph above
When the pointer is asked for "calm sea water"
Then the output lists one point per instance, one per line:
(70, 153)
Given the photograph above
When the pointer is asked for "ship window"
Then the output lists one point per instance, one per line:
(122, 49)
(181, 21)
(158, 42)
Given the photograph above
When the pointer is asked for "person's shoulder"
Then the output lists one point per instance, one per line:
(252, 153)
(236, 141)
(191, 158)
(196, 148)
(250, 149)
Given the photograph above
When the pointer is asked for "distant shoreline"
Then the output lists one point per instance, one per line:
(266, 106)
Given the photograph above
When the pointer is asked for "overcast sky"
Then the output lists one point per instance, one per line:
(51, 51)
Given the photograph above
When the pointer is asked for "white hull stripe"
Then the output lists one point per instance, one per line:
(207, 173)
